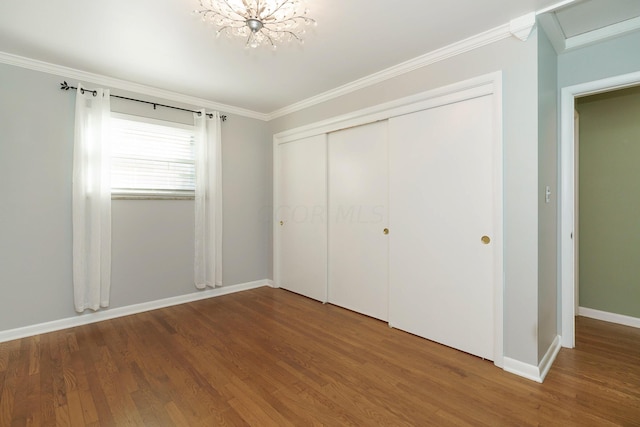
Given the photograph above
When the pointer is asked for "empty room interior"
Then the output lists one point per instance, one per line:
(263, 212)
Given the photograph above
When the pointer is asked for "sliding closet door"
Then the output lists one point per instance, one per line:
(442, 212)
(300, 215)
(358, 197)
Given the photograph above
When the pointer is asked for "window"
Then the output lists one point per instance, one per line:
(151, 158)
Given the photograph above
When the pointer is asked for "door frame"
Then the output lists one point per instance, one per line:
(568, 198)
(488, 84)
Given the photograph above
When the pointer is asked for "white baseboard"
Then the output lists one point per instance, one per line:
(620, 319)
(106, 314)
(532, 372)
(550, 357)
(525, 370)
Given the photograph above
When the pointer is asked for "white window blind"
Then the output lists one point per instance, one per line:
(151, 158)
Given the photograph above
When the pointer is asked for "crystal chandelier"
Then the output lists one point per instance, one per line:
(260, 22)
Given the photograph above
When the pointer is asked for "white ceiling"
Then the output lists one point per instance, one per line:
(160, 43)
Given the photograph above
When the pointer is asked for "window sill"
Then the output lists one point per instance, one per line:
(152, 197)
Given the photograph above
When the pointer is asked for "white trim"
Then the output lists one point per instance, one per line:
(551, 25)
(498, 226)
(532, 372)
(98, 79)
(567, 219)
(99, 316)
(488, 37)
(620, 319)
(550, 356)
(523, 26)
(608, 32)
(525, 370)
(567, 185)
(552, 28)
(478, 86)
(275, 226)
(488, 84)
(555, 6)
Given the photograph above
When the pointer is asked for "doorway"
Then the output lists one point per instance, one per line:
(608, 200)
(568, 214)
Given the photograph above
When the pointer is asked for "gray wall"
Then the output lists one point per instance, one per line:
(152, 239)
(548, 324)
(606, 59)
(35, 207)
(518, 60)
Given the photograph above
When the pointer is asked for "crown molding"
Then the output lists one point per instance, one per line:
(523, 26)
(467, 89)
(71, 73)
(555, 6)
(454, 49)
(520, 27)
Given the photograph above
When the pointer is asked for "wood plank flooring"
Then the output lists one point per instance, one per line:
(269, 357)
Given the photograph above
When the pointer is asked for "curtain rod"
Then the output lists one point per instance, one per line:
(65, 86)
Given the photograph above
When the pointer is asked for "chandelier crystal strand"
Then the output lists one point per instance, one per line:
(259, 22)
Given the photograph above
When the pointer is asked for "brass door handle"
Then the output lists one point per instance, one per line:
(486, 240)
(281, 222)
(385, 231)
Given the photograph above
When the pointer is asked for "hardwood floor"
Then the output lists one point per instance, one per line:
(268, 357)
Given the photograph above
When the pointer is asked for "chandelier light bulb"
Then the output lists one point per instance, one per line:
(259, 22)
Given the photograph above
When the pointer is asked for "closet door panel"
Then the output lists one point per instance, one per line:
(358, 198)
(301, 220)
(442, 202)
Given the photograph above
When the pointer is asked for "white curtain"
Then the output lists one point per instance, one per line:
(91, 210)
(208, 201)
